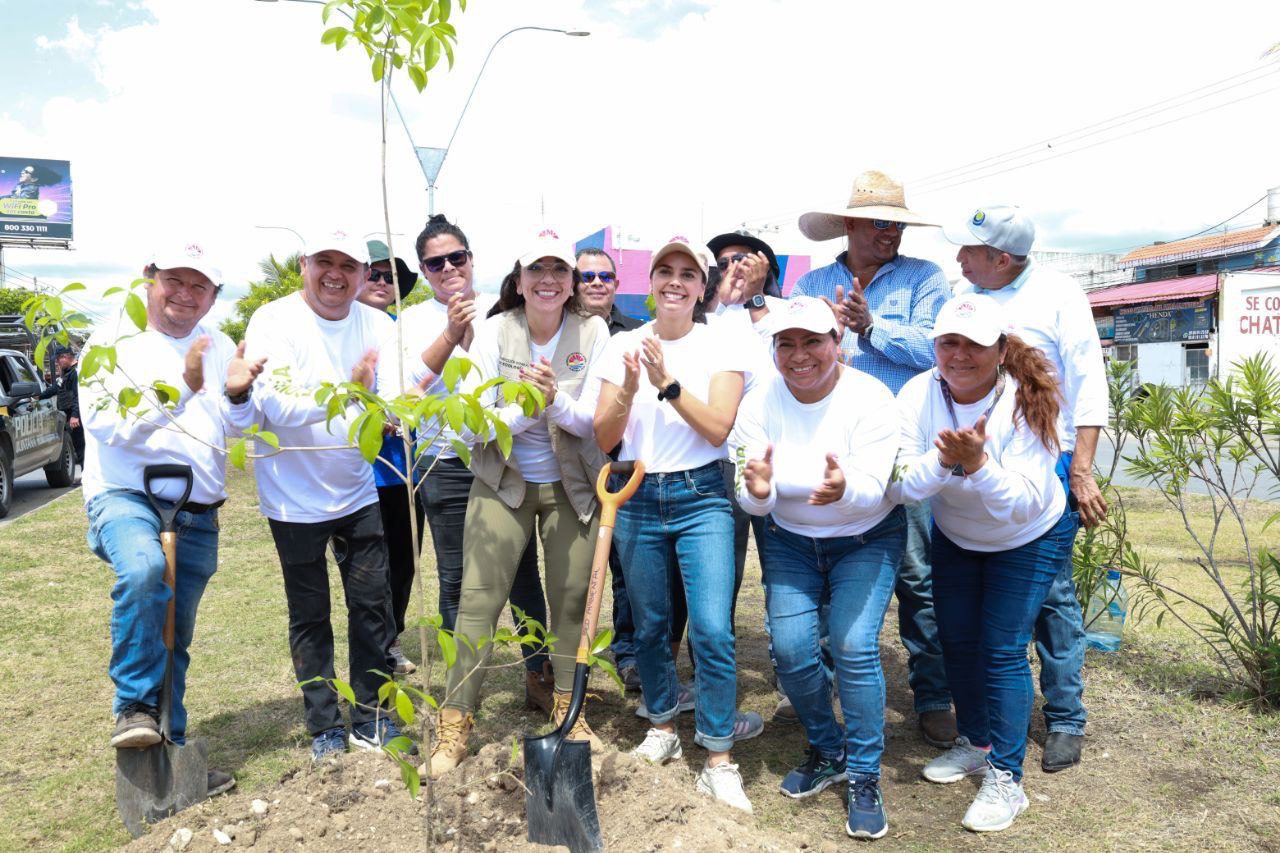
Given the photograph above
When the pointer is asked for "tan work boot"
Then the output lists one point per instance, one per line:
(580, 730)
(538, 689)
(451, 741)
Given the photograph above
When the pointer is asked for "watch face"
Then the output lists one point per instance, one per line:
(757, 301)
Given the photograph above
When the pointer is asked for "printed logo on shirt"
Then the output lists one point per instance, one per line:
(576, 361)
(979, 217)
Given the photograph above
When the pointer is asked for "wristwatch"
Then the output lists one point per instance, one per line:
(756, 301)
(671, 392)
(241, 398)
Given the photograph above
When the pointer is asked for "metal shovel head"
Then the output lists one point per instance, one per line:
(561, 801)
(155, 782)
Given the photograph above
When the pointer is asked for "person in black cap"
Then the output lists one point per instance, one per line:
(749, 274)
(390, 469)
(67, 389)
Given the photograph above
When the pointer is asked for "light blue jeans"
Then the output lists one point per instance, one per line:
(683, 517)
(125, 531)
(856, 574)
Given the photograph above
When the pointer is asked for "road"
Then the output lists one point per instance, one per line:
(32, 492)
(1266, 489)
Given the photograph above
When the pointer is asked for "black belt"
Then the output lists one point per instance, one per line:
(199, 508)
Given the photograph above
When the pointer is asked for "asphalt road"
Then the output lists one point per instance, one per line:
(1266, 489)
(32, 492)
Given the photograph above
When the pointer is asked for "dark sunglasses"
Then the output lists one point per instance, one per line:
(376, 276)
(886, 224)
(556, 269)
(736, 257)
(435, 263)
(605, 277)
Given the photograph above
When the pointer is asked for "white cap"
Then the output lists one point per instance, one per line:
(336, 240)
(1001, 227)
(680, 244)
(979, 318)
(802, 312)
(189, 256)
(548, 245)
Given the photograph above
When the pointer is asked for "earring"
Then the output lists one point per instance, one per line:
(1000, 369)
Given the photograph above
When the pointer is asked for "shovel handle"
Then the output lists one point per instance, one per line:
(167, 472)
(609, 503)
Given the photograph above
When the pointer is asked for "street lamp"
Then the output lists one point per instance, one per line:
(431, 160)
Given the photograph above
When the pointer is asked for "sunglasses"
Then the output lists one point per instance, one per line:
(457, 259)
(886, 224)
(736, 257)
(605, 277)
(376, 276)
(558, 270)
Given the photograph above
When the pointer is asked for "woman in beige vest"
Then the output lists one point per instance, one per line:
(537, 333)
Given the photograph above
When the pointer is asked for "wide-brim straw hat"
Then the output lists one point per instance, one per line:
(875, 196)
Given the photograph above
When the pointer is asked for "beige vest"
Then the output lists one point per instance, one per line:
(580, 459)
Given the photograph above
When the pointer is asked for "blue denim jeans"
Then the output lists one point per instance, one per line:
(986, 606)
(1060, 641)
(856, 573)
(916, 623)
(682, 518)
(125, 531)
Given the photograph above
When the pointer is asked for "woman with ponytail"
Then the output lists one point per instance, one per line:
(979, 437)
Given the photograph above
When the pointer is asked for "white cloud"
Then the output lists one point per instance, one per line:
(742, 110)
(77, 43)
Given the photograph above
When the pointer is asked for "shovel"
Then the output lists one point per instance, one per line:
(560, 800)
(154, 782)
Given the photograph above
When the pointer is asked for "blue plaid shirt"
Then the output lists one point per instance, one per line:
(904, 296)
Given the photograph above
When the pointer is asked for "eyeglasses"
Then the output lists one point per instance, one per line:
(605, 277)
(457, 259)
(886, 224)
(376, 276)
(736, 257)
(558, 270)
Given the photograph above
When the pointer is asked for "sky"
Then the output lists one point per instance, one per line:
(226, 122)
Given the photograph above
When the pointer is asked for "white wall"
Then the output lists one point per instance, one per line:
(1160, 363)
(1249, 318)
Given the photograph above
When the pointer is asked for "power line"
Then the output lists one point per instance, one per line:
(1189, 236)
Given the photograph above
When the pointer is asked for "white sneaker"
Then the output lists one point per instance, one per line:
(684, 701)
(999, 801)
(659, 747)
(725, 784)
(956, 763)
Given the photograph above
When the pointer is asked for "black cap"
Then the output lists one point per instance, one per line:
(752, 242)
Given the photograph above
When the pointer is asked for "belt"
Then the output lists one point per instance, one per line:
(199, 508)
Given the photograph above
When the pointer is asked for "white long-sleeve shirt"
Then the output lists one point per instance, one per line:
(1012, 499)
(194, 432)
(1051, 312)
(303, 350)
(857, 422)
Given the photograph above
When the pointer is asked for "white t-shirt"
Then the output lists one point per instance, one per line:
(304, 350)
(531, 443)
(1011, 500)
(857, 421)
(655, 432)
(420, 325)
(117, 449)
(752, 348)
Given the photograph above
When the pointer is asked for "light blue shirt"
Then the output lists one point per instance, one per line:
(904, 297)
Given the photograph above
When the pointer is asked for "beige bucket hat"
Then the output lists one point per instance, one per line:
(875, 196)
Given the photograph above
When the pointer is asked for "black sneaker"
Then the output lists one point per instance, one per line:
(630, 678)
(372, 736)
(815, 775)
(137, 726)
(220, 783)
(1061, 751)
(866, 808)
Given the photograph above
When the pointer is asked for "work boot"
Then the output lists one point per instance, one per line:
(580, 730)
(219, 782)
(453, 731)
(1061, 751)
(538, 689)
(939, 728)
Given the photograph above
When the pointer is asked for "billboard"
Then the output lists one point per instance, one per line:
(35, 199)
(1164, 322)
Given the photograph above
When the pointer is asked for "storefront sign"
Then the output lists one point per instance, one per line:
(1164, 322)
(1106, 326)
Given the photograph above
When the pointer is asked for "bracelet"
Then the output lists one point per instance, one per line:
(451, 341)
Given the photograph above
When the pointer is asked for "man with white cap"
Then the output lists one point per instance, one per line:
(314, 500)
(212, 381)
(1051, 313)
(886, 303)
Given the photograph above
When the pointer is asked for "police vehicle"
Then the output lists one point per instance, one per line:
(33, 433)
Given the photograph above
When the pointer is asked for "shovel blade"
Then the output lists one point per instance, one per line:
(155, 782)
(561, 801)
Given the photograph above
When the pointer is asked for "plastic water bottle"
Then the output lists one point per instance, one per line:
(1105, 615)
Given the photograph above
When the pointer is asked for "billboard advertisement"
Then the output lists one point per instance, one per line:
(1164, 322)
(35, 199)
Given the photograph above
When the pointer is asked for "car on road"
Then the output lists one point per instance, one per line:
(33, 433)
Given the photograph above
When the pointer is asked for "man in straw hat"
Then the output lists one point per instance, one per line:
(886, 303)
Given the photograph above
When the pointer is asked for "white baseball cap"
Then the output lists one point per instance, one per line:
(680, 244)
(548, 245)
(802, 312)
(336, 240)
(1000, 226)
(979, 318)
(187, 256)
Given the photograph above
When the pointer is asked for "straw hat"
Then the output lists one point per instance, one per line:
(875, 196)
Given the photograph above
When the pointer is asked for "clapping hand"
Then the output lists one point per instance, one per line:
(833, 484)
(193, 368)
(654, 365)
(241, 372)
(542, 377)
(631, 379)
(966, 446)
(759, 474)
(462, 311)
(851, 310)
(365, 373)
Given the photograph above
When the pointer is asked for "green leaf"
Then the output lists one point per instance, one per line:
(404, 707)
(454, 410)
(418, 77)
(464, 452)
(455, 369)
(111, 291)
(236, 453)
(443, 9)
(448, 648)
(53, 307)
(73, 287)
(268, 437)
(378, 63)
(503, 434)
(409, 775)
(167, 394)
(384, 691)
(43, 346)
(371, 434)
(128, 398)
(137, 311)
(602, 641)
(344, 690)
(377, 18)
(332, 35)
(448, 52)
(431, 55)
